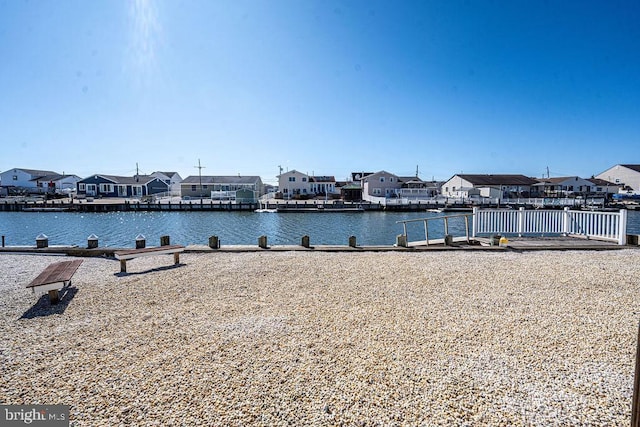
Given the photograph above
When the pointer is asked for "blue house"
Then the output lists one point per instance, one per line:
(121, 186)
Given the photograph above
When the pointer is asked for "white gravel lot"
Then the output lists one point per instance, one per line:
(304, 338)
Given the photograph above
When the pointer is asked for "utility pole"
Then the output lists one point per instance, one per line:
(200, 175)
(417, 170)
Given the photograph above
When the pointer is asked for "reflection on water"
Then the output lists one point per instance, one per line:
(119, 229)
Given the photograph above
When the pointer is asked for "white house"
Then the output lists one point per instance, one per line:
(380, 184)
(38, 181)
(323, 185)
(494, 186)
(626, 175)
(293, 183)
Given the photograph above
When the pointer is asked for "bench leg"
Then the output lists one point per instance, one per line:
(53, 296)
(176, 258)
(123, 266)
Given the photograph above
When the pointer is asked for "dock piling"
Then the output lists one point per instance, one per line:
(214, 242)
(262, 242)
(164, 241)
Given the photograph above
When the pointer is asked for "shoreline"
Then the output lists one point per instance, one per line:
(538, 338)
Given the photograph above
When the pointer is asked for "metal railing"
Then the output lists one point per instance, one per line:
(445, 222)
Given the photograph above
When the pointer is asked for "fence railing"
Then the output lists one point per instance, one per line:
(609, 226)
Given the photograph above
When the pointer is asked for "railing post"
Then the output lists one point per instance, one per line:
(520, 221)
(565, 222)
(473, 222)
(622, 227)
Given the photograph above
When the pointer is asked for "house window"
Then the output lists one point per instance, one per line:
(599, 189)
(15, 177)
(81, 187)
(390, 179)
(304, 179)
(382, 179)
(193, 188)
(292, 179)
(377, 191)
(204, 187)
(106, 188)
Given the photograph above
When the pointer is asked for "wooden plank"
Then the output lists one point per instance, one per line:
(57, 272)
(134, 253)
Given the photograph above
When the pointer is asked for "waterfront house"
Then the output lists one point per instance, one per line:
(26, 180)
(228, 188)
(604, 188)
(415, 188)
(379, 185)
(323, 185)
(294, 184)
(172, 179)
(121, 186)
(626, 175)
(566, 186)
(495, 186)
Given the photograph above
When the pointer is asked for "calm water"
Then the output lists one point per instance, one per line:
(119, 229)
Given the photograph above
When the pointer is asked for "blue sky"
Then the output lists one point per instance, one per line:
(324, 87)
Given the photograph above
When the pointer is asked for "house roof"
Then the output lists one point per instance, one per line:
(601, 182)
(168, 174)
(50, 177)
(632, 167)
(36, 172)
(230, 179)
(322, 179)
(126, 180)
(498, 179)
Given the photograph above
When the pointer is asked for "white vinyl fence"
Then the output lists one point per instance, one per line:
(609, 226)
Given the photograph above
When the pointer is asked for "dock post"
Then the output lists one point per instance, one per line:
(141, 241)
(42, 241)
(305, 241)
(3, 241)
(164, 241)
(92, 241)
(214, 242)
(352, 241)
(262, 242)
(401, 241)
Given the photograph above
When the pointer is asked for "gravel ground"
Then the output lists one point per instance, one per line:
(303, 338)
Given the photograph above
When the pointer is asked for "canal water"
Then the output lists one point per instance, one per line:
(119, 229)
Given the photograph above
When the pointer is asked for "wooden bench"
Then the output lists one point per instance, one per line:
(54, 277)
(124, 255)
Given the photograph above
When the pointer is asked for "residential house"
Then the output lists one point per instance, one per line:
(294, 183)
(380, 184)
(566, 186)
(323, 185)
(38, 181)
(121, 186)
(604, 188)
(414, 187)
(231, 188)
(494, 186)
(172, 179)
(626, 175)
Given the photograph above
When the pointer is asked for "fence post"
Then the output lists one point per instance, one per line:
(520, 222)
(566, 226)
(473, 222)
(622, 227)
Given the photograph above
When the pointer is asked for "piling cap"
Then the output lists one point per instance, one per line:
(42, 236)
(140, 237)
(92, 237)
